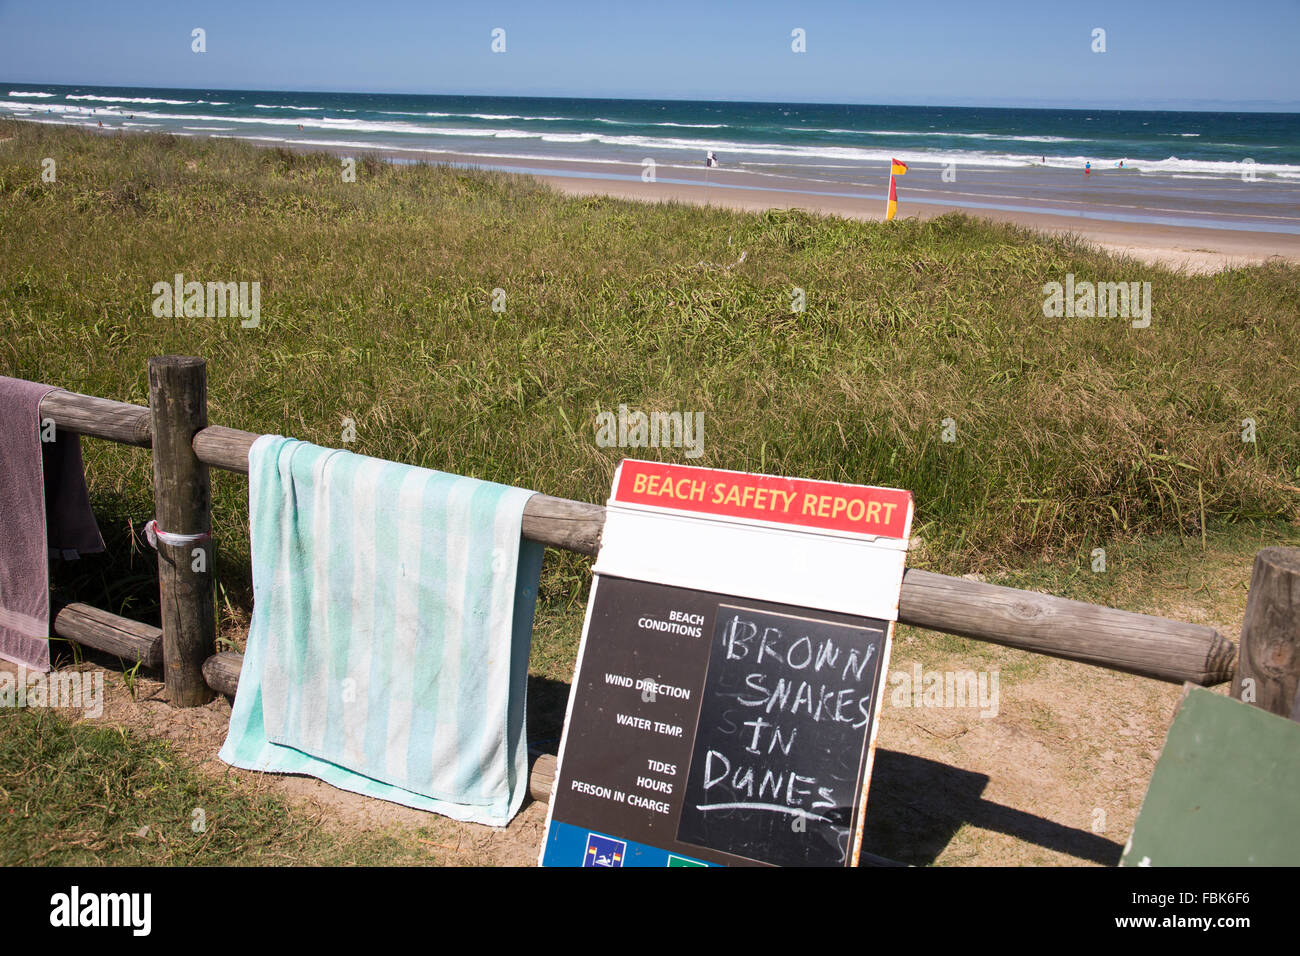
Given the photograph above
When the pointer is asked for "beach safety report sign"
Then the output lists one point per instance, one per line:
(727, 691)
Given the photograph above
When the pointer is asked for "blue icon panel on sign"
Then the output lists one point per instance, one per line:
(604, 851)
(567, 845)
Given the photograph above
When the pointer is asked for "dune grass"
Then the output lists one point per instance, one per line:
(376, 303)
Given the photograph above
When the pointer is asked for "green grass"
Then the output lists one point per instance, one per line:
(1070, 433)
(76, 794)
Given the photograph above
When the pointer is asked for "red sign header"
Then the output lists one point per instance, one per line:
(798, 502)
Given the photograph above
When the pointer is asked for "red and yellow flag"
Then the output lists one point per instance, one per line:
(896, 168)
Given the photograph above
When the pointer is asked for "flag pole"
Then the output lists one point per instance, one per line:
(891, 199)
(889, 194)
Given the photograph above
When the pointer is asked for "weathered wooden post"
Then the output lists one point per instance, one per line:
(178, 402)
(1268, 662)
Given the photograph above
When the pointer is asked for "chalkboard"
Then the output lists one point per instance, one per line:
(779, 757)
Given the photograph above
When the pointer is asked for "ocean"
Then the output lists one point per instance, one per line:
(1219, 170)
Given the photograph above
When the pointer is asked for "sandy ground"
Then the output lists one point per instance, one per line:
(1183, 248)
(199, 733)
(1053, 774)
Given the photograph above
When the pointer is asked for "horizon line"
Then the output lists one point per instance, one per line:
(1214, 106)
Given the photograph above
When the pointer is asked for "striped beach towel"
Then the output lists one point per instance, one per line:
(388, 650)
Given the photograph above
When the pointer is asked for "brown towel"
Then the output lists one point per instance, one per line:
(44, 509)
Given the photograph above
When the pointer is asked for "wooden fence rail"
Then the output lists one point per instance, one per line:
(185, 445)
(1152, 647)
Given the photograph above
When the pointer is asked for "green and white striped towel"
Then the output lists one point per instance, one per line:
(388, 650)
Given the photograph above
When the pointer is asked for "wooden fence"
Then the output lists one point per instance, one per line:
(184, 446)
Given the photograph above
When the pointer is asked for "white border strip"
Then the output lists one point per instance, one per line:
(765, 563)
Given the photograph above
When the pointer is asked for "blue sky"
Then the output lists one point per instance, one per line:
(1159, 53)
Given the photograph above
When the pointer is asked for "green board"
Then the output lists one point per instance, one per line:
(1225, 792)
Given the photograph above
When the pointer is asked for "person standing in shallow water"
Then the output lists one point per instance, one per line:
(1087, 168)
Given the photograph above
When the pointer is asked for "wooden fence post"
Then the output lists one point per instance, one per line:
(1268, 662)
(178, 403)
